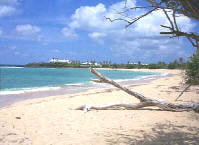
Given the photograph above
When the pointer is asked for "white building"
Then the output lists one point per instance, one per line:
(54, 60)
(137, 63)
(90, 64)
(97, 64)
(133, 63)
(86, 63)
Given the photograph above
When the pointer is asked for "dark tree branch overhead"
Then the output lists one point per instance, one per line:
(171, 9)
(167, 16)
(189, 8)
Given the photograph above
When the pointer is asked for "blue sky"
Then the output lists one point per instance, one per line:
(38, 30)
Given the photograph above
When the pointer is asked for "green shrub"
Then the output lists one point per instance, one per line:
(192, 71)
(173, 65)
(153, 66)
(130, 66)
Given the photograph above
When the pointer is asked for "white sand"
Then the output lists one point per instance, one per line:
(52, 120)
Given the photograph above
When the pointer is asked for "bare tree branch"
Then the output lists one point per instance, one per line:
(138, 18)
(171, 23)
(128, 106)
(107, 80)
(188, 86)
(134, 8)
(179, 33)
(144, 101)
(191, 41)
(174, 19)
(188, 8)
(116, 19)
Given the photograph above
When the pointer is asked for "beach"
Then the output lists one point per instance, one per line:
(54, 121)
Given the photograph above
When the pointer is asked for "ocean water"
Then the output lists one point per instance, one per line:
(16, 80)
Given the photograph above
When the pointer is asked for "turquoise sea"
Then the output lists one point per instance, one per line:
(16, 80)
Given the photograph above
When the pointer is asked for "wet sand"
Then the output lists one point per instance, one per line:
(53, 120)
(9, 99)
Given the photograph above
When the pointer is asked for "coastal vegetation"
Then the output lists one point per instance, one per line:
(11, 65)
(177, 64)
(53, 65)
(192, 69)
(191, 66)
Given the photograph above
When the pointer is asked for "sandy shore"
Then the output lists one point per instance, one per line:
(53, 120)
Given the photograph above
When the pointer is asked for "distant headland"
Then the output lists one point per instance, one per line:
(66, 63)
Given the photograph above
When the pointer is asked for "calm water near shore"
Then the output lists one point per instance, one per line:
(17, 83)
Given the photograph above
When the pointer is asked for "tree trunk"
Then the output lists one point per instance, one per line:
(144, 101)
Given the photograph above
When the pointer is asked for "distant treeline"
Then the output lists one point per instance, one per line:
(52, 65)
(12, 65)
(159, 65)
(177, 64)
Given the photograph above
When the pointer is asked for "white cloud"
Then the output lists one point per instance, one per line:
(150, 25)
(27, 29)
(92, 18)
(120, 47)
(69, 33)
(83, 14)
(8, 7)
(89, 18)
(97, 36)
(6, 10)
(123, 5)
(131, 40)
(28, 32)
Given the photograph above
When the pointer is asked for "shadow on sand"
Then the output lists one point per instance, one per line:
(162, 134)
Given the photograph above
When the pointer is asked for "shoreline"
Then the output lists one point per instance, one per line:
(7, 99)
(15, 91)
(53, 120)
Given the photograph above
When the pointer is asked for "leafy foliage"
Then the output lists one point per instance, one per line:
(192, 70)
(173, 65)
(107, 64)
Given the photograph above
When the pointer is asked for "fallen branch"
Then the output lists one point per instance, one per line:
(115, 105)
(109, 81)
(144, 101)
(182, 92)
(97, 81)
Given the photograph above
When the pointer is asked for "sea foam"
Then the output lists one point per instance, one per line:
(26, 90)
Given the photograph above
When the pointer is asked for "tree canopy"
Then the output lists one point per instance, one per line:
(172, 9)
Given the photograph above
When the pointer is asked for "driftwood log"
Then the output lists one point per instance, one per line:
(144, 101)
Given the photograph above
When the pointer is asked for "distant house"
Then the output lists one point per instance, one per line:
(132, 63)
(87, 64)
(54, 60)
(137, 63)
(97, 64)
